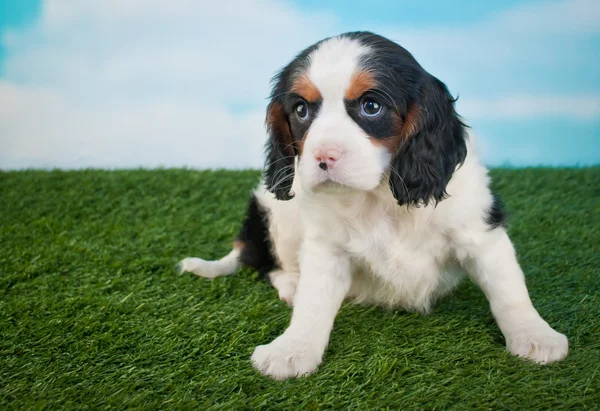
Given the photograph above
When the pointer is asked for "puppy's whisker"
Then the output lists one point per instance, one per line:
(286, 147)
(282, 180)
(382, 92)
(283, 170)
(278, 160)
(279, 95)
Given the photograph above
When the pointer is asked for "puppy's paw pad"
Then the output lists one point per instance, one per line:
(285, 358)
(539, 343)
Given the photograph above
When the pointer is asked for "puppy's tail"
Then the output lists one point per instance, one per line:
(252, 248)
(211, 269)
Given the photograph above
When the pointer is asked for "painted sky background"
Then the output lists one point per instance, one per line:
(129, 83)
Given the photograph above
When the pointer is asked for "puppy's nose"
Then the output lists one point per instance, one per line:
(327, 157)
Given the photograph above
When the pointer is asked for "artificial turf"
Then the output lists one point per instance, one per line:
(92, 315)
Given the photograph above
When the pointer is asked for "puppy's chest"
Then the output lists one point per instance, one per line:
(390, 246)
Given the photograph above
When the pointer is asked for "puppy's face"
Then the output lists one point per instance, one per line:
(356, 109)
(337, 120)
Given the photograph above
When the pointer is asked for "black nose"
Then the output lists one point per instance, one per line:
(323, 166)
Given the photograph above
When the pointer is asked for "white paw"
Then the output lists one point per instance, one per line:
(286, 358)
(285, 284)
(539, 343)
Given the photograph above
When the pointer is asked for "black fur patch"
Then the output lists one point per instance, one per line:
(496, 215)
(381, 126)
(300, 127)
(426, 162)
(257, 247)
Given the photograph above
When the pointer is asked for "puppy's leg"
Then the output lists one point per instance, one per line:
(285, 283)
(324, 282)
(494, 267)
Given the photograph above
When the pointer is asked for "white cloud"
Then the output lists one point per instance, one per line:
(509, 50)
(110, 83)
(519, 106)
(558, 17)
(105, 83)
(150, 133)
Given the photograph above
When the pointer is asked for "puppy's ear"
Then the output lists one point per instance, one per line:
(280, 151)
(433, 145)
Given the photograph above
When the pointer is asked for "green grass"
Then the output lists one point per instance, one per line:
(92, 315)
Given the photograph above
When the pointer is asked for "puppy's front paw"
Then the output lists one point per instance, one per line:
(538, 342)
(286, 358)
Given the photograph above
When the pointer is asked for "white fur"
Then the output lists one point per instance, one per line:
(285, 283)
(348, 238)
(210, 269)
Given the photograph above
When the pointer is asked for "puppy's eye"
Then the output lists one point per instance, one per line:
(370, 108)
(301, 110)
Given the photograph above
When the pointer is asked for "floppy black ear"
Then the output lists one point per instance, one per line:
(280, 151)
(433, 146)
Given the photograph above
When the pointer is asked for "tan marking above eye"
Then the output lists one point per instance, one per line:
(305, 88)
(360, 83)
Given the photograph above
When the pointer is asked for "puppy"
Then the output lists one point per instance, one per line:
(372, 191)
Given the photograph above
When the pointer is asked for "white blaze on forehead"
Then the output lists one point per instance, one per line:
(333, 64)
(332, 68)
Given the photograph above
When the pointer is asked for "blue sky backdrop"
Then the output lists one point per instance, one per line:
(128, 83)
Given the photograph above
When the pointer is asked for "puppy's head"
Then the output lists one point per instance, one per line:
(356, 109)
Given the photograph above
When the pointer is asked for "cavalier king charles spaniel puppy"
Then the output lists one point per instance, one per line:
(372, 191)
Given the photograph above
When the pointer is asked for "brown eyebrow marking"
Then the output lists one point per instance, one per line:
(306, 89)
(360, 83)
